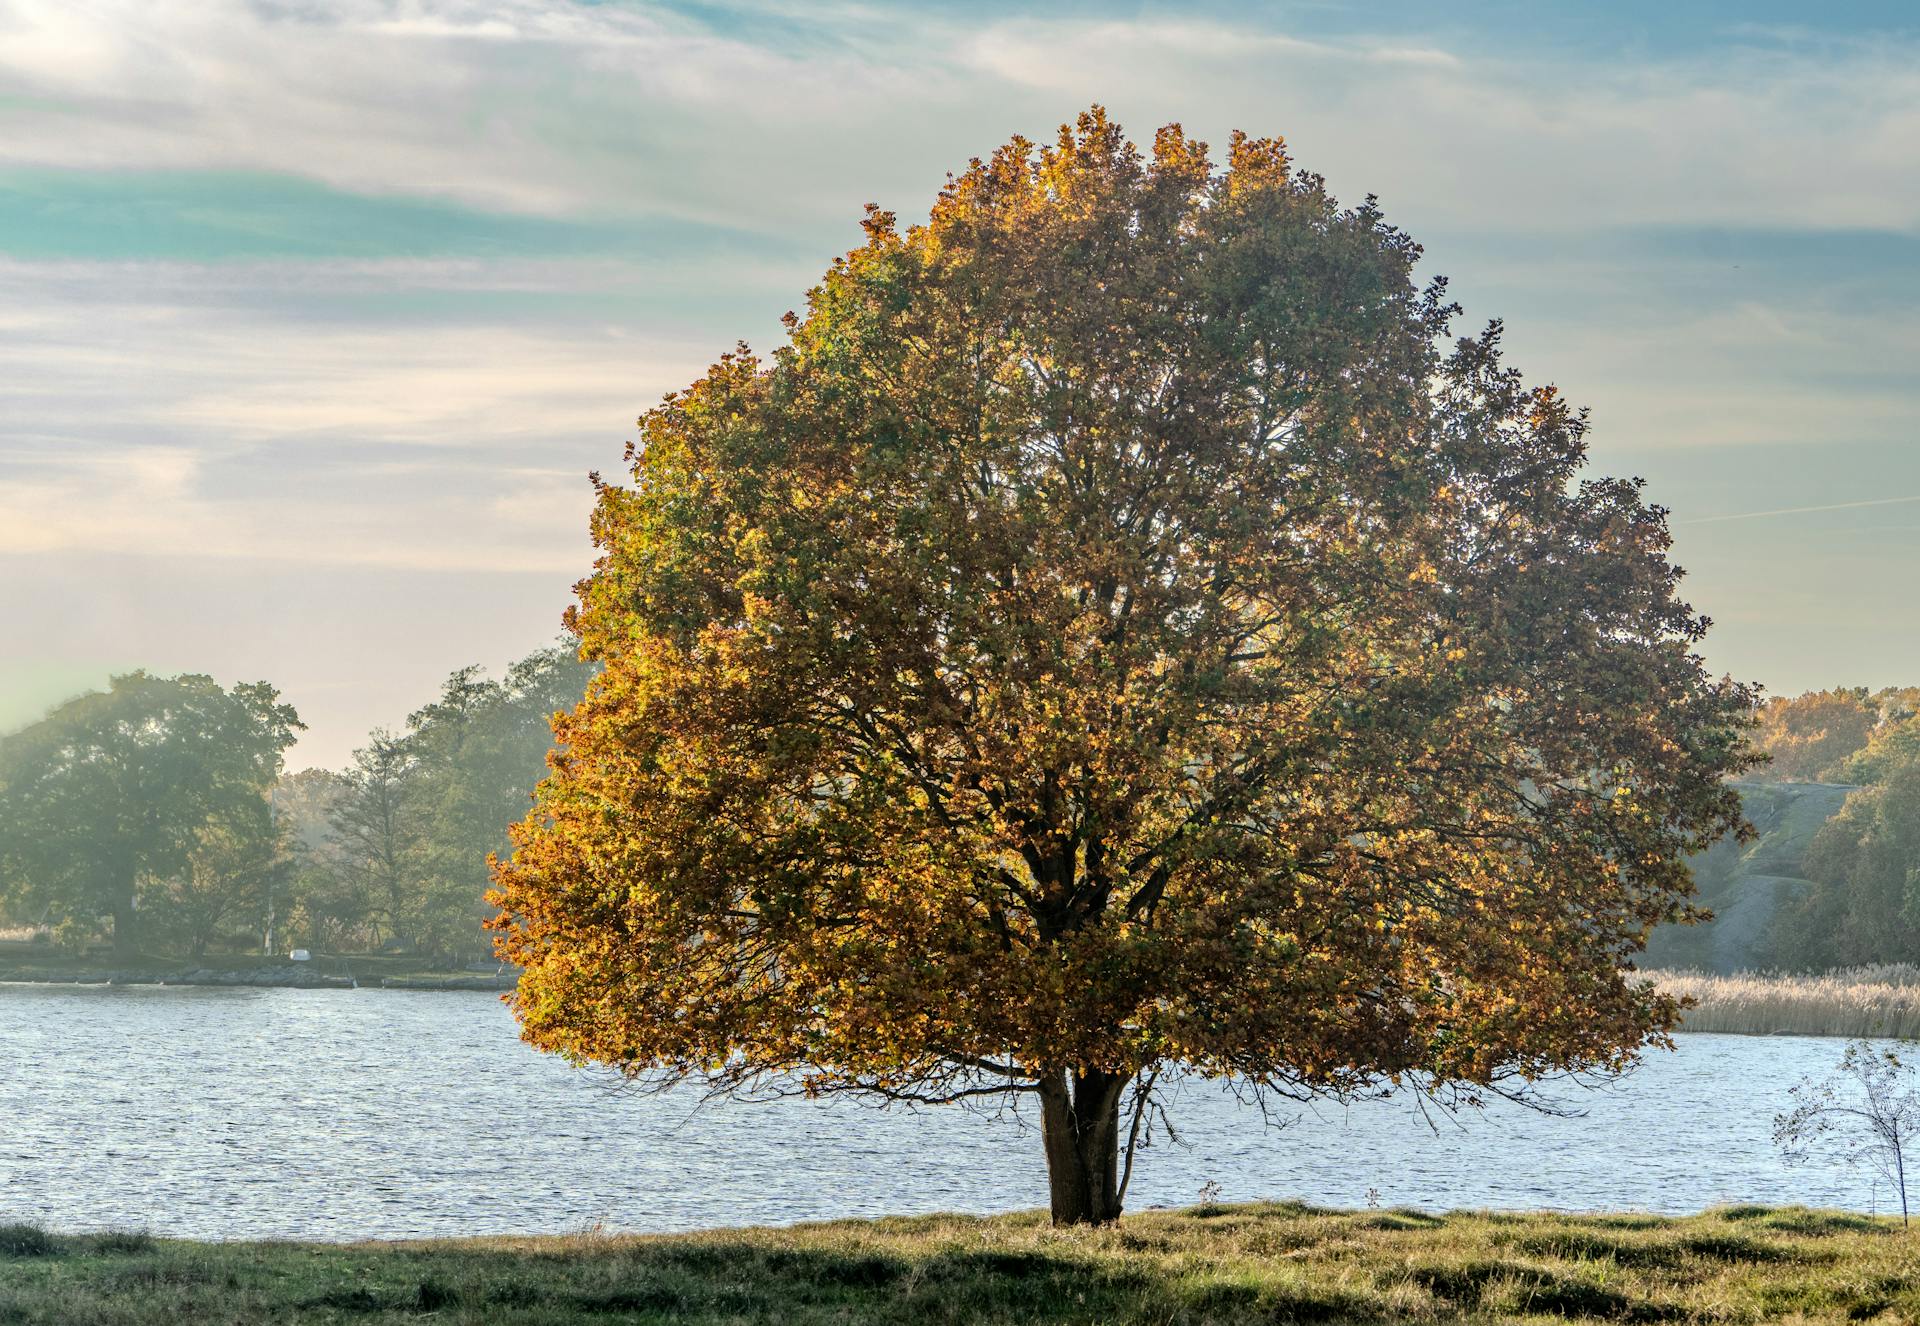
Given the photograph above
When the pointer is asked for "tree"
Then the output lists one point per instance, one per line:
(115, 790)
(1809, 737)
(1869, 1106)
(413, 822)
(377, 829)
(1863, 903)
(235, 861)
(1894, 745)
(1117, 630)
(321, 906)
(479, 749)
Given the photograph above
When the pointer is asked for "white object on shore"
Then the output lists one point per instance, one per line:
(300, 955)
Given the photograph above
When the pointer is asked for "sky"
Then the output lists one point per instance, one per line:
(315, 314)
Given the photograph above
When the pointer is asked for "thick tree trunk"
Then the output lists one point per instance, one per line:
(1080, 1123)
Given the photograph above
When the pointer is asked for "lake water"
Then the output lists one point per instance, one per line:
(321, 1114)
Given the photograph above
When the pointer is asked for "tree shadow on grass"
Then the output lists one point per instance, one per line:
(1500, 1286)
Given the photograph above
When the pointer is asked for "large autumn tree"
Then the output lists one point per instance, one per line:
(1117, 631)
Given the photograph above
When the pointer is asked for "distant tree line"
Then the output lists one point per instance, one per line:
(1862, 905)
(147, 798)
(156, 815)
(393, 852)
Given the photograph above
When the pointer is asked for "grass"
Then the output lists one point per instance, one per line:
(1262, 1263)
(1862, 1001)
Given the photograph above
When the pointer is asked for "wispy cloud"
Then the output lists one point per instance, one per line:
(143, 419)
(541, 106)
(1522, 142)
(554, 107)
(1803, 510)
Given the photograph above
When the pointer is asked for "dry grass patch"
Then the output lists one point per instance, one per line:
(1860, 1001)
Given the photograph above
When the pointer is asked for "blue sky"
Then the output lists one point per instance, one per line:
(314, 316)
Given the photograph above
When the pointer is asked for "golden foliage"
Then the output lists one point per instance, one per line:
(1808, 737)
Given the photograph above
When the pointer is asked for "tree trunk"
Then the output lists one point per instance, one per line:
(1080, 1123)
(126, 940)
(1900, 1170)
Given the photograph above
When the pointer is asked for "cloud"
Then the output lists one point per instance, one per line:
(146, 418)
(560, 108)
(1748, 135)
(1069, 55)
(1685, 363)
(141, 504)
(533, 106)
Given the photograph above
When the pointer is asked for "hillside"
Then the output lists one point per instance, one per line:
(1742, 883)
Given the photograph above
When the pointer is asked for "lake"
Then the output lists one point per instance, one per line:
(319, 1114)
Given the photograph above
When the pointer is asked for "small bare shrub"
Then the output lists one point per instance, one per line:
(1868, 1106)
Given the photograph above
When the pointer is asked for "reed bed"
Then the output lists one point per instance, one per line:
(1857, 1001)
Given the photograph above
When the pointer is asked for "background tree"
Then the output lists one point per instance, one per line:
(1118, 630)
(375, 825)
(116, 789)
(1832, 876)
(397, 846)
(1894, 745)
(322, 908)
(1809, 737)
(1863, 903)
(477, 752)
(231, 870)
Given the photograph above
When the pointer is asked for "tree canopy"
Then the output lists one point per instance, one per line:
(149, 781)
(1862, 903)
(1119, 629)
(1810, 737)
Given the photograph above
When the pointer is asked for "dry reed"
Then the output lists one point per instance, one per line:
(1857, 1001)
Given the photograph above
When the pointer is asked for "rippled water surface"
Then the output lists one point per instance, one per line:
(326, 1114)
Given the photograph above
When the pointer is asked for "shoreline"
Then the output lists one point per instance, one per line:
(1864, 1003)
(264, 978)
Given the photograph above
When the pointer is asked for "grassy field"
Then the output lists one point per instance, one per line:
(1864, 1001)
(1265, 1263)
